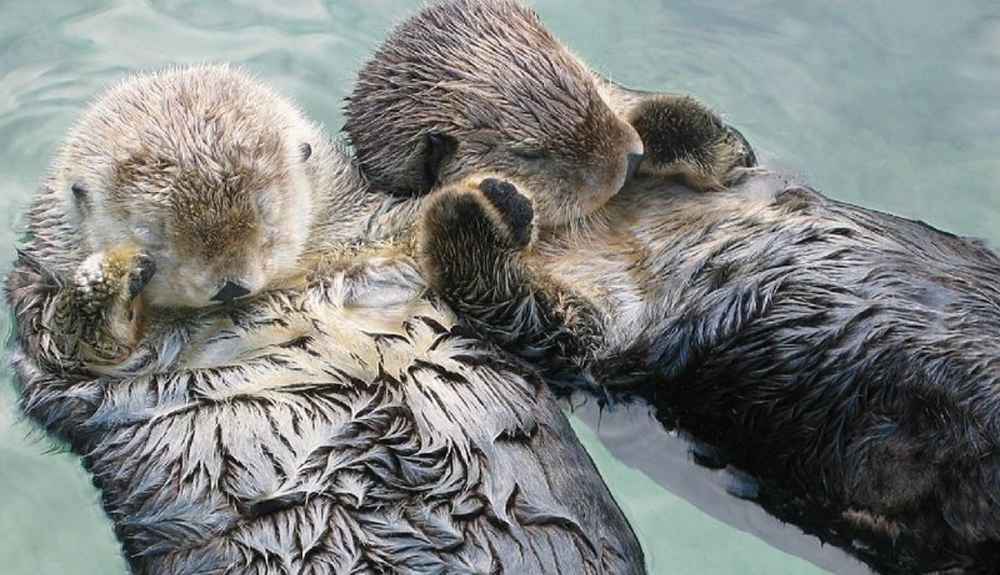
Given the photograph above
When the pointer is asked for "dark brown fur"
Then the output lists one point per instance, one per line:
(685, 140)
(489, 76)
(848, 355)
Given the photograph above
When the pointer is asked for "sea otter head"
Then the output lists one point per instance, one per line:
(203, 170)
(471, 86)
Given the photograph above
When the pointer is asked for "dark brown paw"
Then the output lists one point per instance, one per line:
(685, 140)
(747, 157)
(514, 209)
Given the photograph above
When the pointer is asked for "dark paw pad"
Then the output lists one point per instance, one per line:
(514, 208)
(748, 157)
(143, 271)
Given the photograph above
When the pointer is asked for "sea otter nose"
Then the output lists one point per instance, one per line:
(229, 292)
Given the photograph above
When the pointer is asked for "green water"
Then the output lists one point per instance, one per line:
(888, 103)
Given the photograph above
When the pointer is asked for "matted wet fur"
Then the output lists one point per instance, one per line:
(848, 355)
(336, 421)
(194, 186)
(486, 76)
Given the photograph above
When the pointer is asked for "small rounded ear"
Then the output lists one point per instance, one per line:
(305, 151)
(438, 147)
(81, 195)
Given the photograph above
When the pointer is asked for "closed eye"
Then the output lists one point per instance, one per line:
(528, 153)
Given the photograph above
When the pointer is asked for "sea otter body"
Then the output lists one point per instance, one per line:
(838, 343)
(847, 354)
(344, 427)
(327, 418)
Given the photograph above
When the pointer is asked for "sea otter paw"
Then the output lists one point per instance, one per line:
(484, 215)
(106, 287)
(746, 157)
(514, 211)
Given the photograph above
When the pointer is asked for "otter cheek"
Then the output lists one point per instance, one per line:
(590, 190)
(179, 288)
(615, 179)
(283, 259)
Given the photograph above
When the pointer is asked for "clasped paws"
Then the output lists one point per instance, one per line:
(106, 304)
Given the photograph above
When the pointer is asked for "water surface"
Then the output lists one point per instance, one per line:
(891, 104)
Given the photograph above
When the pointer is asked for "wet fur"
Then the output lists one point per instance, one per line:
(846, 354)
(345, 427)
(683, 138)
(337, 422)
(488, 75)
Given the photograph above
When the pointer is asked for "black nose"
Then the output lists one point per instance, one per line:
(633, 164)
(229, 292)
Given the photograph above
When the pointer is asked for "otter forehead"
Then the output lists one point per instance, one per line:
(210, 175)
(185, 130)
(477, 65)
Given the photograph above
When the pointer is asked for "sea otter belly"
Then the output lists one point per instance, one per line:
(306, 432)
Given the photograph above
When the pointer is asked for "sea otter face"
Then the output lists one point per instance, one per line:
(486, 76)
(204, 170)
(208, 254)
(214, 236)
(569, 169)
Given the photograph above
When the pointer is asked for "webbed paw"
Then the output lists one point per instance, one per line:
(469, 231)
(488, 213)
(514, 211)
(744, 155)
(106, 305)
(685, 140)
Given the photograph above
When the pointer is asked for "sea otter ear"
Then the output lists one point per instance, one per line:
(305, 151)
(81, 195)
(438, 147)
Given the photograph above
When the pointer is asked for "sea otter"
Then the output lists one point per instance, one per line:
(483, 85)
(328, 415)
(846, 354)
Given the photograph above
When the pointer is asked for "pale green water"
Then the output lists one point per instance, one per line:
(892, 104)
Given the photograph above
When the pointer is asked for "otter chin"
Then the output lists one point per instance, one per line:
(202, 169)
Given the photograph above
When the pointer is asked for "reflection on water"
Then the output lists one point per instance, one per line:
(704, 499)
(887, 103)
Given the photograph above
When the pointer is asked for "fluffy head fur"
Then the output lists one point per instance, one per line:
(490, 76)
(202, 168)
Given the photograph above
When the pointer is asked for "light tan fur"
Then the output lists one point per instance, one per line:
(207, 174)
(333, 422)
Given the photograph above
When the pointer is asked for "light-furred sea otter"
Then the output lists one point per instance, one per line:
(332, 420)
(472, 85)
